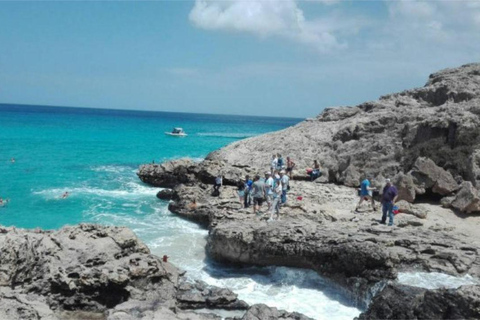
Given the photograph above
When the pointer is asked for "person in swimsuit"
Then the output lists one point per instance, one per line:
(290, 166)
(65, 195)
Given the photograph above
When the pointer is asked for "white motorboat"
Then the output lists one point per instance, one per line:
(176, 132)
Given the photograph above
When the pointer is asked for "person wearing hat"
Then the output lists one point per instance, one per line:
(269, 184)
(285, 181)
(389, 197)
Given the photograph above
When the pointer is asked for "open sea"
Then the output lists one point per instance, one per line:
(94, 155)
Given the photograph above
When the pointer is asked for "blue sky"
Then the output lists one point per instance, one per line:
(276, 58)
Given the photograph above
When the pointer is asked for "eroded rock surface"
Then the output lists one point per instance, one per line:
(440, 121)
(96, 272)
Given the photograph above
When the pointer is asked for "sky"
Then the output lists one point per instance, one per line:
(273, 57)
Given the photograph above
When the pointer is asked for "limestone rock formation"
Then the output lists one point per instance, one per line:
(404, 302)
(168, 174)
(96, 272)
(440, 121)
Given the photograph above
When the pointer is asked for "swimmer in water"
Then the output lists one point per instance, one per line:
(3, 202)
(12, 160)
(65, 195)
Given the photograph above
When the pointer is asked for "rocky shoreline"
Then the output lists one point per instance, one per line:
(425, 139)
(98, 272)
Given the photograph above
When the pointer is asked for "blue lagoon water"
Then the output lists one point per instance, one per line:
(94, 155)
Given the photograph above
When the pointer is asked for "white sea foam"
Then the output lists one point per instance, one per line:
(435, 280)
(131, 190)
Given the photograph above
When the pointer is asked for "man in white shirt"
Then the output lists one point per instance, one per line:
(285, 181)
(273, 164)
(269, 183)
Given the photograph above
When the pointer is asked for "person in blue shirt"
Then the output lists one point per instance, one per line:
(366, 194)
(248, 187)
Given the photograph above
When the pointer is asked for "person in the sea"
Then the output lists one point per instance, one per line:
(273, 164)
(65, 195)
(248, 188)
(277, 199)
(389, 197)
(12, 160)
(280, 163)
(258, 194)
(290, 166)
(241, 193)
(366, 193)
(315, 173)
(285, 182)
(218, 183)
(269, 184)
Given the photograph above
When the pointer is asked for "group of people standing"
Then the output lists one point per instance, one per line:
(388, 198)
(271, 189)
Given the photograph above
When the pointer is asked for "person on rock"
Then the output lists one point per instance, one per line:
(315, 173)
(290, 166)
(241, 193)
(366, 193)
(280, 163)
(258, 194)
(273, 164)
(285, 182)
(269, 184)
(218, 184)
(248, 188)
(389, 197)
(277, 199)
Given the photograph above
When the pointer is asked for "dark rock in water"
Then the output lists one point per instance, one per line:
(168, 174)
(405, 302)
(167, 194)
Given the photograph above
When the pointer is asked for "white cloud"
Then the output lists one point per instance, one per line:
(279, 18)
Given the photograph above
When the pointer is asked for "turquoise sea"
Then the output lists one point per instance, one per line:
(94, 154)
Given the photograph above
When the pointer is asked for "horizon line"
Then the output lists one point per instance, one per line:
(144, 110)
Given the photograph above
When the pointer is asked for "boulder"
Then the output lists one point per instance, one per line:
(467, 199)
(427, 175)
(405, 187)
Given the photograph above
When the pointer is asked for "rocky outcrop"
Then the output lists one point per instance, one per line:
(434, 131)
(168, 174)
(404, 302)
(96, 272)
(425, 139)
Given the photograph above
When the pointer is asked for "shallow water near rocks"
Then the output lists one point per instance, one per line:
(94, 155)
